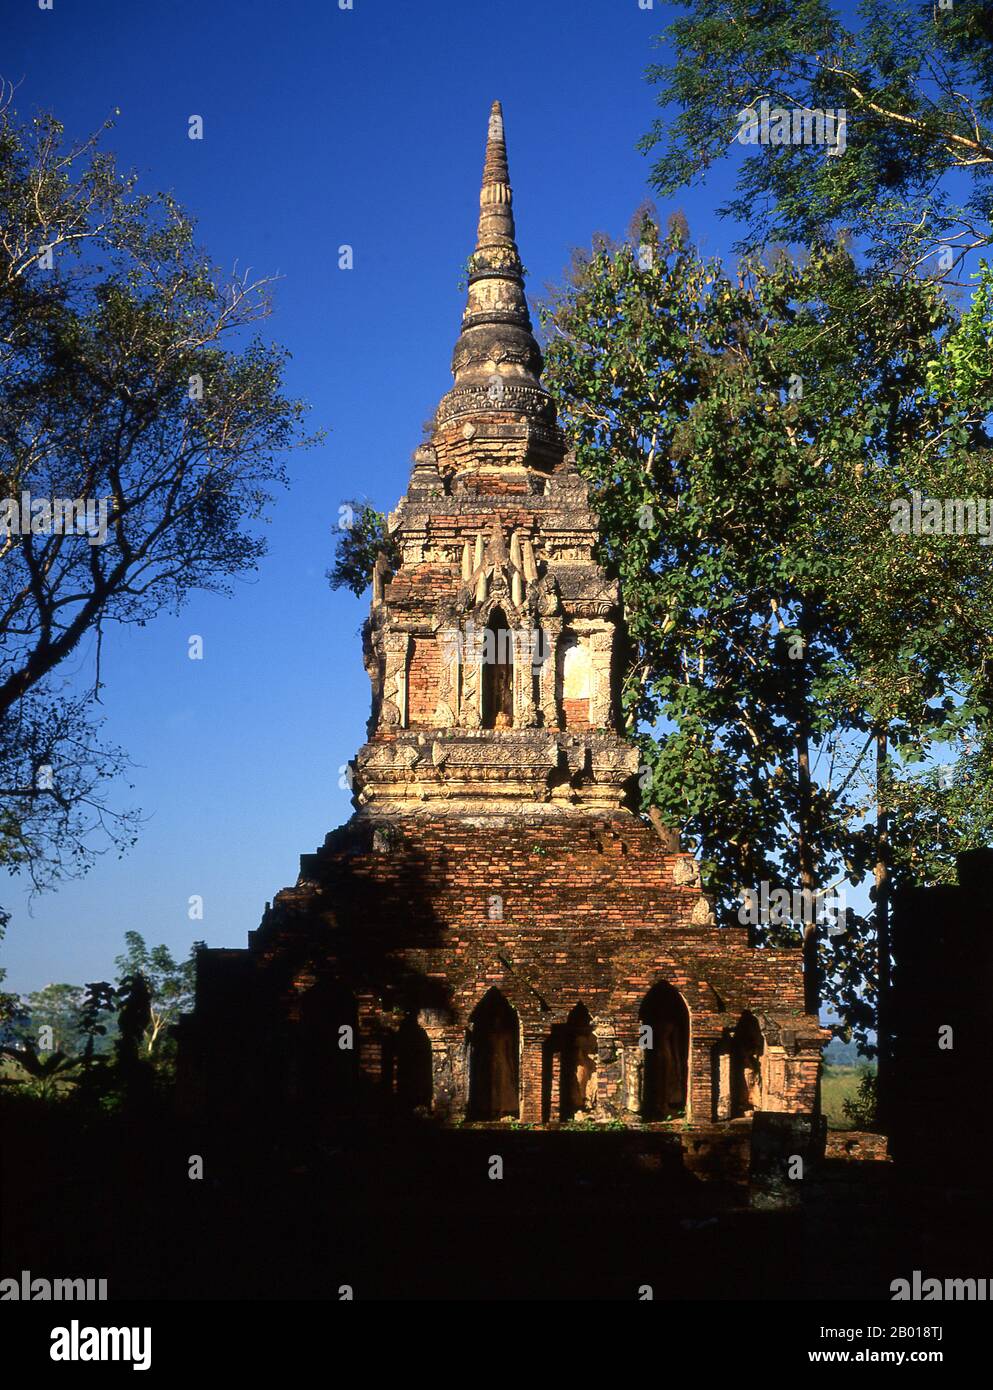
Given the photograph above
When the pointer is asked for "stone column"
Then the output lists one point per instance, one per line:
(723, 1099)
(470, 713)
(393, 712)
(634, 1065)
(444, 1042)
(525, 713)
(530, 1088)
(602, 649)
(552, 630)
(773, 1067)
(555, 1084)
(447, 709)
(609, 1071)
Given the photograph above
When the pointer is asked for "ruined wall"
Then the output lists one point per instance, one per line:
(421, 919)
(936, 1104)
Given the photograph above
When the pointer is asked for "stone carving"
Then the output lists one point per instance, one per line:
(686, 872)
(446, 710)
(703, 913)
(394, 708)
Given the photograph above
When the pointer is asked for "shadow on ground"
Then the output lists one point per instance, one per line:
(412, 1213)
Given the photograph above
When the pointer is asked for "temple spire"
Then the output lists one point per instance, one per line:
(497, 362)
(496, 215)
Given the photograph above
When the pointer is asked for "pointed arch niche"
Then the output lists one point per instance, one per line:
(665, 1066)
(497, 704)
(494, 1059)
(569, 1083)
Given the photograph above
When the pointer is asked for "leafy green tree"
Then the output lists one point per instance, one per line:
(746, 435)
(916, 83)
(55, 1018)
(37, 1072)
(862, 1108)
(912, 186)
(96, 1021)
(362, 538)
(170, 986)
(131, 383)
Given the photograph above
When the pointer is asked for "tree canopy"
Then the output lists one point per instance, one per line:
(143, 426)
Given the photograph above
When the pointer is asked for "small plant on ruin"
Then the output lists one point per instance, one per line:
(359, 544)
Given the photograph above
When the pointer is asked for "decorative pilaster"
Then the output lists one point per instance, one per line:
(394, 706)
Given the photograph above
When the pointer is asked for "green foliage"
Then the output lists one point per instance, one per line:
(860, 1109)
(964, 369)
(130, 377)
(38, 1074)
(916, 82)
(59, 1008)
(745, 434)
(362, 537)
(169, 985)
(111, 1041)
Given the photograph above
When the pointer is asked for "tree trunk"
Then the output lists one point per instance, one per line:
(882, 895)
(805, 846)
(811, 965)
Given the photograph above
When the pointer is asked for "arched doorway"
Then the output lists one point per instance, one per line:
(665, 1036)
(577, 1073)
(498, 673)
(747, 1046)
(494, 1059)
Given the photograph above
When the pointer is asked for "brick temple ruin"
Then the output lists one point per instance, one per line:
(496, 934)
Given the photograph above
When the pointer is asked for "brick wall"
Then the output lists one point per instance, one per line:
(422, 681)
(419, 918)
(576, 714)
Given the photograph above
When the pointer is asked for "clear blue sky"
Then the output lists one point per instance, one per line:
(321, 127)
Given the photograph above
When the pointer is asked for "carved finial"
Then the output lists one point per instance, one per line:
(497, 551)
(497, 343)
(495, 168)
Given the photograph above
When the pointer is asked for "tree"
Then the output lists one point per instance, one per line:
(55, 775)
(141, 433)
(746, 435)
(915, 82)
(170, 987)
(38, 1073)
(55, 1018)
(362, 538)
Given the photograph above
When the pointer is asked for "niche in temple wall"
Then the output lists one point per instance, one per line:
(576, 680)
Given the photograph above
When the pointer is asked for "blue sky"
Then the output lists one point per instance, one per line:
(321, 127)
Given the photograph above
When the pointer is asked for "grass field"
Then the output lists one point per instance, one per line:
(837, 1085)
